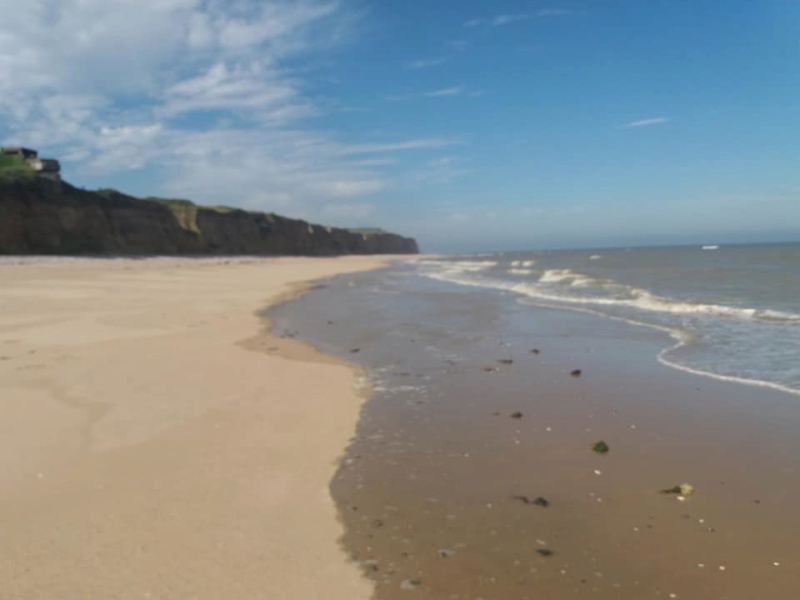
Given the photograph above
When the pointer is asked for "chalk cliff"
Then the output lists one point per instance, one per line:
(46, 217)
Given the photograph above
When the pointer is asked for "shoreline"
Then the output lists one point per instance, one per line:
(439, 459)
(678, 336)
(144, 460)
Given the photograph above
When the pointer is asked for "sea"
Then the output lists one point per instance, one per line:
(733, 312)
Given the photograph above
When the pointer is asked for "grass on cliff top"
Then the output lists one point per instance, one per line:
(365, 230)
(172, 203)
(17, 173)
(181, 203)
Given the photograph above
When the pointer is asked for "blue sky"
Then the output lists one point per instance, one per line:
(473, 126)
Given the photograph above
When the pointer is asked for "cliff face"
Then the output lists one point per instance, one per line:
(45, 217)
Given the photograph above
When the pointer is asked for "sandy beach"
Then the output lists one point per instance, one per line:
(157, 443)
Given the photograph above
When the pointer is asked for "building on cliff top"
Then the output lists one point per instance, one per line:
(17, 156)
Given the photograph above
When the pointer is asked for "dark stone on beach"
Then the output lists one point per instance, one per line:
(372, 565)
(576, 373)
(538, 501)
(354, 350)
(489, 369)
(330, 322)
(445, 553)
(535, 351)
(506, 361)
(601, 447)
(673, 490)
(516, 415)
(377, 523)
(545, 552)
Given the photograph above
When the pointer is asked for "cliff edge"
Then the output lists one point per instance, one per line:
(40, 216)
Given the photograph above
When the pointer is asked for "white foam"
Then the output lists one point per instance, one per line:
(643, 300)
(624, 295)
(520, 272)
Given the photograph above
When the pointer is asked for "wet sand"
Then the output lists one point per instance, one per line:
(154, 444)
(428, 491)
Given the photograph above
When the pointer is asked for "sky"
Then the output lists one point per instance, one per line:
(472, 126)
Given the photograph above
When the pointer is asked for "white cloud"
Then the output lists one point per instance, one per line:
(508, 19)
(450, 91)
(206, 92)
(425, 63)
(648, 122)
(397, 146)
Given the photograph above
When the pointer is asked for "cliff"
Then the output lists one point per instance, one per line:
(38, 216)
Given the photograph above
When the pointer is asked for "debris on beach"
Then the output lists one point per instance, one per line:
(446, 553)
(490, 369)
(682, 490)
(576, 373)
(516, 415)
(538, 501)
(601, 447)
(354, 350)
(410, 584)
(545, 552)
(506, 361)
(535, 351)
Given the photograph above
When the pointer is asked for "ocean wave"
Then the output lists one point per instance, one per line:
(622, 295)
(460, 266)
(552, 290)
(520, 272)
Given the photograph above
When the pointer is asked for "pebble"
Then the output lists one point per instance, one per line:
(598, 472)
(722, 567)
(410, 584)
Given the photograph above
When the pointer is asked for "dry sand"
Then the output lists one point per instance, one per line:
(148, 451)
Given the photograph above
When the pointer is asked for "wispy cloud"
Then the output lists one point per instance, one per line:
(396, 146)
(447, 92)
(450, 91)
(508, 19)
(648, 122)
(201, 95)
(425, 63)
